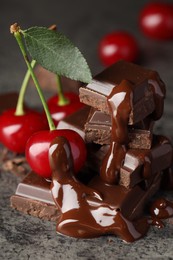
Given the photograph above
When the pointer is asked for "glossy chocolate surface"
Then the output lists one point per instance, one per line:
(140, 164)
(92, 210)
(146, 87)
(102, 204)
(98, 130)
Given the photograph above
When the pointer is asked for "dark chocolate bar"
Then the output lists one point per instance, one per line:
(146, 85)
(140, 164)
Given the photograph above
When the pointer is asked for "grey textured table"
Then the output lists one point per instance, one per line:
(26, 237)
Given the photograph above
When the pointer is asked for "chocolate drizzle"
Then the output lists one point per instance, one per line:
(85, 212)
(120, 105)
(101, 205)
(98, 208)
(161, 209)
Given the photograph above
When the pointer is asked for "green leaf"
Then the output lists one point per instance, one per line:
(56, 53)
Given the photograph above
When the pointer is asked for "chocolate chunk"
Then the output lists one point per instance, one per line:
(140, 164)
(148, 90)
(94, 126)
(33, 197)
(98, 130)
(76, 121)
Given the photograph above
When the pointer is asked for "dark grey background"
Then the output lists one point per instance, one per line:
(85, 22)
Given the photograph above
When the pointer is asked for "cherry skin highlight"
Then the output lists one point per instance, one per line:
(116, 46)
(59, 112)
(16, 130)
(156, 20)
(37, 150)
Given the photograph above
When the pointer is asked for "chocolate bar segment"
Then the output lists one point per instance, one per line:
(98, 130)
(33, 197)
(76, 121)
(140, 164)
(146, 86)
(95, 127)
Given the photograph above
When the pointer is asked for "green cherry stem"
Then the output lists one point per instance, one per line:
(19, 108)
(62, 100)
(15, 29)
(20, 103)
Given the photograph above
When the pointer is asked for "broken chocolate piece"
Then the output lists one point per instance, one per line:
(148, 91)
(76, 121)
(95, 127)
(140, 164)
(33, 197)
(98, 130)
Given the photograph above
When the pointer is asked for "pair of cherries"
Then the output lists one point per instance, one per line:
(155, 21)
(29, 134)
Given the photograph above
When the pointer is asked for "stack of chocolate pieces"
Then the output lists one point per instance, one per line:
(146, 155)
(126, 160)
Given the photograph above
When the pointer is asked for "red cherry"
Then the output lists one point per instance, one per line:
(156, 20)
(59, 112)
(116, 46)
(37, 150)
(15, 130)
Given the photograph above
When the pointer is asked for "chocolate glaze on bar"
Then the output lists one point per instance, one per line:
(88, 211)
(99, 209)
(120, 106)
(146, 84)
(100, 205)
(98, 130)
(140, 164)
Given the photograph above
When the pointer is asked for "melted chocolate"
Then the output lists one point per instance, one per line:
(161, 209)
(120, 106)
(95, 209)
(100, 206)
(85, 212)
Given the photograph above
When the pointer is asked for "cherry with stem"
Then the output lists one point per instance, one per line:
(18, 124)
(63, 104)
(38, 144)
